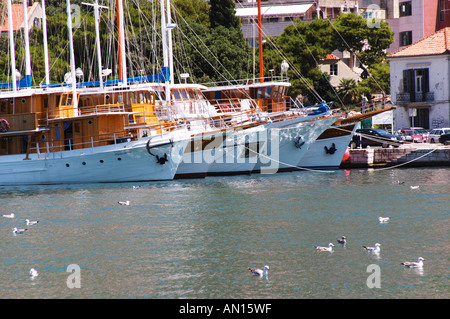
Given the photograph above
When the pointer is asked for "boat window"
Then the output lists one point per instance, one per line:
(176, 94)
(63, 100)
(184, 95)
(268, 91)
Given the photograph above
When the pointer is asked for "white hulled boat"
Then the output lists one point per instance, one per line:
(72, 134)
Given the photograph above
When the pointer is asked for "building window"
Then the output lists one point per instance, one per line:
(272, 20)
(405, 8)
(405, 38)
(333, 69)
(442, 10)
(416, 84)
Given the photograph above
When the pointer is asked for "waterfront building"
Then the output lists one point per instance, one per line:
(420, 77)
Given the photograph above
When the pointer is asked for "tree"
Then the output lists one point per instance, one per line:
(222, 13)
(348, 90)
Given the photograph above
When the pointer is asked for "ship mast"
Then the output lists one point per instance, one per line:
(11, 46)
(27, 45)
(261, 66)
(121, 39)
(44, 30)
(97, 37)
(72, 58)
(165, 52)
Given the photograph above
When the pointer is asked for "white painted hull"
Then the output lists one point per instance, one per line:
(234, 156)
(123, 162)
(318, 158)
(294, 139)
(267, 148)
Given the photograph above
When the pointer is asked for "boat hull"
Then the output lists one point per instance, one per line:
(329, 149)
(289, 142)
(123, 162)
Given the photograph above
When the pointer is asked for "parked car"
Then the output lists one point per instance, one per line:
(445, 139)
(412, 135)
(374, 137)
(433, 136)
(421, 131)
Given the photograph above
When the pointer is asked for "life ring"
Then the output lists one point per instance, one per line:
(4, 126)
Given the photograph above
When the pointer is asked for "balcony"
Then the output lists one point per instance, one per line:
(414, 97)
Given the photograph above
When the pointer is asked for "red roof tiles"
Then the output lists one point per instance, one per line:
(17, 14)
(434, 44)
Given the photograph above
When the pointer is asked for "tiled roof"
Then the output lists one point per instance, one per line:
(434, 44)
(17, 14)
(331, 56)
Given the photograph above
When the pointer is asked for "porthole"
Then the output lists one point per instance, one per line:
(119, 158)
(67, 165)
(84, 163)
(101, 161)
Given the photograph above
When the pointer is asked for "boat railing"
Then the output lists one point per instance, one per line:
(45, 149)
(368, 106)
(102, 108)
(275, 78)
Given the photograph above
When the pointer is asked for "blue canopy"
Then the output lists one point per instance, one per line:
(162, 76)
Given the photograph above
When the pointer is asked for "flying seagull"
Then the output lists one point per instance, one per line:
(259, 272)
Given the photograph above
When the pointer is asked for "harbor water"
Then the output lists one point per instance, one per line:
(196, 238)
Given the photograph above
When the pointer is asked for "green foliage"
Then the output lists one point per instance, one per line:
(208, 45)
(222, 14)
(305, 44)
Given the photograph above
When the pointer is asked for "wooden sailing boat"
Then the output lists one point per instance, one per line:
(68, 135)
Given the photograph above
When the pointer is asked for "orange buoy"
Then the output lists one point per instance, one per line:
(346, 156)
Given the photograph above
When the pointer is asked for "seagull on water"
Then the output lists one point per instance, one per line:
(375, 249)
(342, 240)
(259, 272)
(18, 230)
(33, 273)
(323, 248)
(414, 187)
(413, 264)
(136, 187)
(31, 222)
(8, 215)
(383, 219)
(127, 202)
